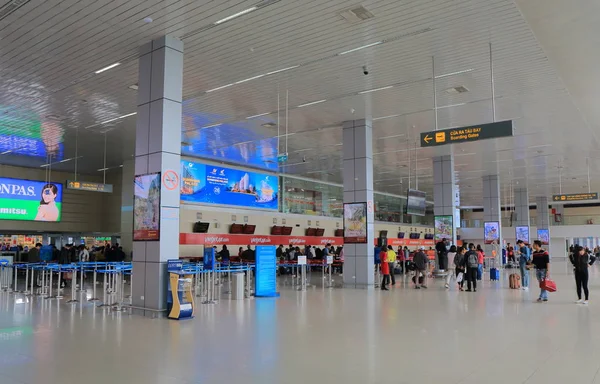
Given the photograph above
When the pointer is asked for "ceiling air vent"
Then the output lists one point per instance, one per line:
(356, 14)
(457, 90)
(10, 7)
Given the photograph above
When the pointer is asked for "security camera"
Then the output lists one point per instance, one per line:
(304, 159)
(365, 70)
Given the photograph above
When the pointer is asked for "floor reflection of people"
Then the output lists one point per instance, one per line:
(48, 211)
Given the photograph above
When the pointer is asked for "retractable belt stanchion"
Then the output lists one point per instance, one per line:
(377, 276)
(94, 297)
(73, 299)
(27, 279)
(49, 296)
(60, 279)
(3, 275)
(16, 279)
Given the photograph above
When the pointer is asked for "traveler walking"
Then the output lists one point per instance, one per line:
(451, 267)
(472, 260)
(391, 259)
(385, 268)
(460, 267)
(524, 259)
(541, 261)
(581, 261)
(420, 261)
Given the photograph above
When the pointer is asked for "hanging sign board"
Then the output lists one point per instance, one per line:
(89, 186)
(576, 197)
(467, 134)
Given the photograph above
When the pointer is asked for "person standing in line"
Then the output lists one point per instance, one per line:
(581, 261)
(391, 260)
(385, 269)
(472, 259)
(442, 254)
(421, 261)
(451, 267)
(541, 262)
(524, 258)
(460, 266)
(480, 260)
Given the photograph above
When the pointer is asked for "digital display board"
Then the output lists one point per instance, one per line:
(208, 184)
(443, 228)
(266, 271)
(522, 233)
(146, 207)
(355, 223)
(491, 232)
(30, 200)
(543, 235)
(415, 202)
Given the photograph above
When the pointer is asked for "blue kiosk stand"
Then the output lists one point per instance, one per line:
(266, 272)
(180, 297)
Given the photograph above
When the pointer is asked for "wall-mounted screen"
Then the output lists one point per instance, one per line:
(415, 202)
(30, 200)
(522, 233)
(491, 232)
(543, 235)
(443, 228)
(355, 223)
(208, 184)
(146, 207)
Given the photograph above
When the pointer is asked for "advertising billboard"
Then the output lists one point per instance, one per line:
(208, 184)
(543, 235)
(355, 223)
(30, 200)
(146, 207)
(522, 233)
(491, 232)
(443, 228)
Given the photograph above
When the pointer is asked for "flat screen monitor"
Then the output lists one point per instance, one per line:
(200, 227)
(236, 228)
(286, 231)
(415, 202)
(543, 235)
(320, 232)
(28, 200)
(146, 207)
(311, 231)
(276, 230)
(491, 232)
(249, 229)
(522, 233)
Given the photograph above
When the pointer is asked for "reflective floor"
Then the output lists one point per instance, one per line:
(322, 335)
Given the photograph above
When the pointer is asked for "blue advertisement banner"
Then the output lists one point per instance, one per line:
(209, 258)
(174, 265)
(30, 200)
(266, 269)
(202, 183)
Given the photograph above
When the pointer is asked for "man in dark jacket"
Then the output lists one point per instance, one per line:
(421, 261)
(64, 258)
(472, 262)
(34, 254)
(442, 254)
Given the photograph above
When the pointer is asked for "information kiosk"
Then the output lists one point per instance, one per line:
(266, 270)
(180, 298)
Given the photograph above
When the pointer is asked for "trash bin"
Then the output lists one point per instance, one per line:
(237, 291)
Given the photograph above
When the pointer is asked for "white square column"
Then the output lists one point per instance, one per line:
(358, 188)
(444, 188)
(492, 212)
(543, 212)
(521, 217)
(158, 149)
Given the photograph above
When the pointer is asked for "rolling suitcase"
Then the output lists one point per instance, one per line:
(514, 281)
(494, 274)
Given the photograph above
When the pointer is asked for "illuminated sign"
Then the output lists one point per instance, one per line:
(146, 207)
(30, 200)
(576, 197)
(89, 186)
(467, 134)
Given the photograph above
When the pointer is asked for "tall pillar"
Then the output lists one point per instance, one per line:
(158, 149)
(492, 212)
(358, 188)
(543, 212)
(444, 197)
(128, 172)
(521, 216)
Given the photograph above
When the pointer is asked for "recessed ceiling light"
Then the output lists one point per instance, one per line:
(454, 73)
(259, 115)
(221, 87)
(107, 68)
(359, 48)
(281, 70)
(236, 15)
(148, 20)
(269, 125)
(384, 117)
(312, 103)
(376, 89)
(250, 78)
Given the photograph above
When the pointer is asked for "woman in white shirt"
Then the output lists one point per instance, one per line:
(450, 271)
(84, 254)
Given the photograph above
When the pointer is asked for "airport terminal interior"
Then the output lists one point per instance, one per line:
(287, 191)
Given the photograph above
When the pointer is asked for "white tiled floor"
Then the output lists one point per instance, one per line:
(320, 336)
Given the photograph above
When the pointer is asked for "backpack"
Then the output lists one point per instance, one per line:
(472, 259)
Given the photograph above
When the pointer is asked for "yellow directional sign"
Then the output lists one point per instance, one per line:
(467, 134)
(89, 186)
(576, 197)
